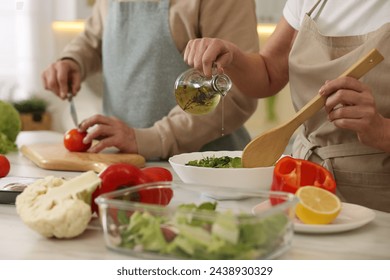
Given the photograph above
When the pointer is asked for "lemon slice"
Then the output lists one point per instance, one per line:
(316, 205)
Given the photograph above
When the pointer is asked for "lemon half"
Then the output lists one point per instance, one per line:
(316, 205)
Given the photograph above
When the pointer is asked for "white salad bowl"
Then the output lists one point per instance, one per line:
(243, 178)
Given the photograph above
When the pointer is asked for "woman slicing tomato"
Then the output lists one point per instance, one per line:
(313, 43)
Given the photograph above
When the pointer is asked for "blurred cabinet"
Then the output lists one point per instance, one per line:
(269, 11)
(36, 121)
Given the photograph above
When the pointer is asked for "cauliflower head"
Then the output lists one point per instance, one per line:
(58, 208)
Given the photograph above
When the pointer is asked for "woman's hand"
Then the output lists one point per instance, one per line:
(111, 132)
(351, 105)
(256, 75)
(201, 54)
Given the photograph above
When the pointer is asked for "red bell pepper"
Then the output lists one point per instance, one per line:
(290, 174)
(121, 175)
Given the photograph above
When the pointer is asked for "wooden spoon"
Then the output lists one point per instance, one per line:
(267, 148)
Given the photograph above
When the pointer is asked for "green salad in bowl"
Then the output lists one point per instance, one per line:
(220, 168)
(217, 162)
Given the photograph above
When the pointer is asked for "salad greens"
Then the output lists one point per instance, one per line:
(200, 232)
(217, 162)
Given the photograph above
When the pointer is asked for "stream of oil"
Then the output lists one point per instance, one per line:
(223, 116)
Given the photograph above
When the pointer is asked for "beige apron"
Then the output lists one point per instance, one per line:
(362, 173)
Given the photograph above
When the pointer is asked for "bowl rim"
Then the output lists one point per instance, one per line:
(107, 199)
(172, 161)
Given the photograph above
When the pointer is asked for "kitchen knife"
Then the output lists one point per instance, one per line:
(73, 109)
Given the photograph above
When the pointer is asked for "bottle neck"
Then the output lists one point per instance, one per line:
(221, 84)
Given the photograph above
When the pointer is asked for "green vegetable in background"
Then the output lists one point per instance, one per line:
(5, 144)
(190, 234)
(33, 105)
(217, 162)
(10, 126)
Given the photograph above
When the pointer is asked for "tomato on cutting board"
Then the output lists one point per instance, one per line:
(73, 141)
(5, 166)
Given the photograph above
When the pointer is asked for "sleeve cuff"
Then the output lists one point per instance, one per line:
(149, 143)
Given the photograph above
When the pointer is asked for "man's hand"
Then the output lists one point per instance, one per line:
(111, 132)
(59, 76)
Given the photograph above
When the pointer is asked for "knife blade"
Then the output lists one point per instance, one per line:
(73, 112)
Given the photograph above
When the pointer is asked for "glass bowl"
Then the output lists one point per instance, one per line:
(174, 220)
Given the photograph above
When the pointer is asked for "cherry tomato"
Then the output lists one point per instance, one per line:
(73, 141)
(157, 173)
(4, 166)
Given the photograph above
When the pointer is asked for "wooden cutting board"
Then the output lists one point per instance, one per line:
(57, 157)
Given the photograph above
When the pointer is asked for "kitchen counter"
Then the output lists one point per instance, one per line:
(18, 242)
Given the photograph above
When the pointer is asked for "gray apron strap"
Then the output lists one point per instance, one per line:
(334, 151)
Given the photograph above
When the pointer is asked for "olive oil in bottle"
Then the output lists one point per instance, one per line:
(196, 100)
(196, 94)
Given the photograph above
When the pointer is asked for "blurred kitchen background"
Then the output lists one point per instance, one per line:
(34, 32)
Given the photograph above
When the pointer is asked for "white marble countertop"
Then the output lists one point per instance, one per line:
(17, 242)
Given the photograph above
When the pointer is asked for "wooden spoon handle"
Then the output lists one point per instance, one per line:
(356, 71)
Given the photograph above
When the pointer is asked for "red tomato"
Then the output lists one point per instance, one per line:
(4, 166)
(157, 173)
(73, 141)
(117, 176)
(160, 196)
